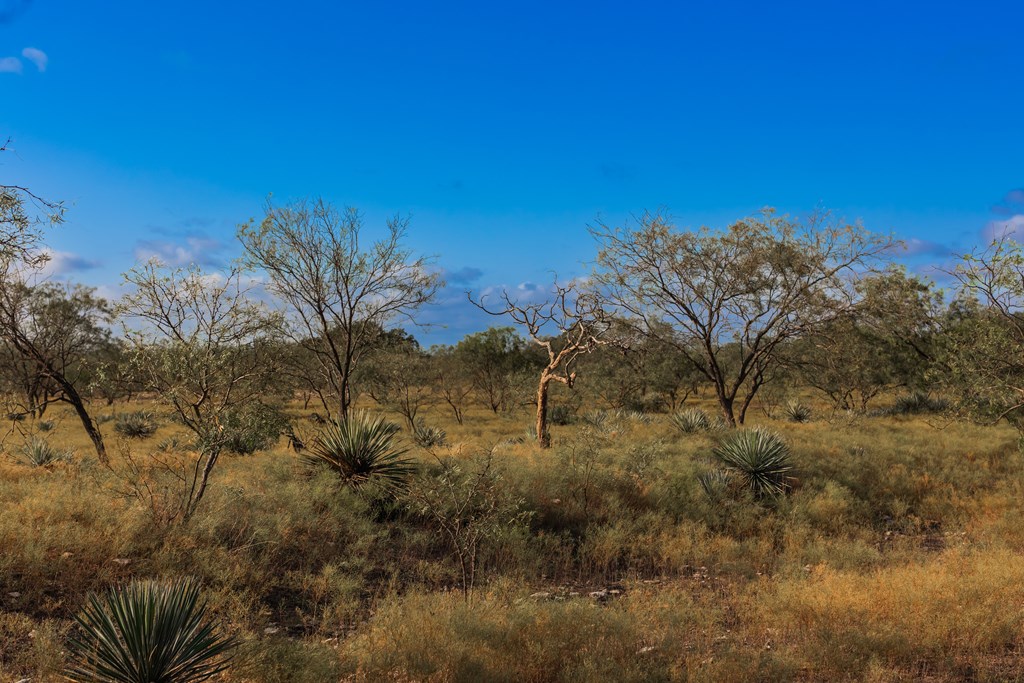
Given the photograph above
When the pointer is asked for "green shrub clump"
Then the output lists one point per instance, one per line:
(141, 424)
(760, 458)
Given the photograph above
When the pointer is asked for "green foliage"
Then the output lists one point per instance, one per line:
(148, 632)
(141, 424)
(691, 421)
(253, 427)
(760, 458)
(560, 414)
(427, 436)
(38, 452)
(362, 448)
(916, 403)
(715, 483)
(798, 412)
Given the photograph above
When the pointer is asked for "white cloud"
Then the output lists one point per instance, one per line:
(10, 65)
(64, 262)
(1011, 227)
(36, 56)
(198, 250)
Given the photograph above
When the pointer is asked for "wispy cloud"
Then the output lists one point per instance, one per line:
(10, 65)
(919, 247)
(36, 56)
(202, 251)
(1011, 227)
(64, 262)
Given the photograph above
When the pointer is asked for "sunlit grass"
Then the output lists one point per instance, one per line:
(893, 556)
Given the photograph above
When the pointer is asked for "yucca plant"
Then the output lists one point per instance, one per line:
(38, 452)
(715, 483)
(691, 421)
(760, 458)
(426, 436)
(798, 412)
(362, 448)
(138, 425)
(148, 632)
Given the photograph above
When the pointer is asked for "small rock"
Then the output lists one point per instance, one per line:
(65, 555)
(614, 591)
(540, 595)
(646, 650)
(14, 594)
(599, 595)
(271, 630)
(121, 561)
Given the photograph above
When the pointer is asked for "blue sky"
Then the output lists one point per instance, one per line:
(504, 129)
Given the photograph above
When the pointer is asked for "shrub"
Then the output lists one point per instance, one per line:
(428, 437)
(691, 421)
(916, 403)
(760, 458)
(715, 483)
(560, 415)
(798, 412)
(361, 448)
(45, 425)
(138, 425)
(148, 632)
(38, 452)
(170, 444)
(254, 427)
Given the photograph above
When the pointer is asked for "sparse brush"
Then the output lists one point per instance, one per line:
(148, 632)
(170, 444)
(798, 412)
(38, 452)
(141, 424)
(361, 448)
(560, 415)
(691, 421)
(760, 458)
(45, 425)
(596, 418)
(916, 403)
(254, 427)
(637, 416)
(715, 483)
(426, 436)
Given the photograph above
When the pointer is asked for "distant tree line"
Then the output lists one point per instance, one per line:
(317, 310)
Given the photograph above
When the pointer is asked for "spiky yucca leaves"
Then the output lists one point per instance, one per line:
(427, 436)
(141, 424)
(691, 421)
(798, 412)
(38, 452)
(715, 483)
(760, 458)
(361, 448)
(148, 632)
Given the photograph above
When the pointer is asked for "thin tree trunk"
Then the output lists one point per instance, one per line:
(543, 438)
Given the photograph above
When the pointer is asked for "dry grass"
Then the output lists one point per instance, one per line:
(896, 557)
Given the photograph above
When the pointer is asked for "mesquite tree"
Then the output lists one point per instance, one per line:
(733, 299)
(341, 295)
(27, 306)
(570, 323)
(203, 345)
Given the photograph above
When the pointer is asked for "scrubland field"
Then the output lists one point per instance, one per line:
(894, 555)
